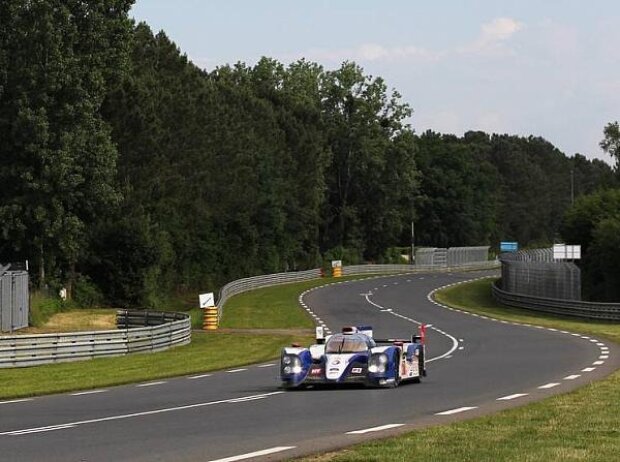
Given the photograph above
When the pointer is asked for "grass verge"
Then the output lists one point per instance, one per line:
(579, 426)
(273, 307)
(207, 352)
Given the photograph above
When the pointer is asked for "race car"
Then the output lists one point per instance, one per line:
(354, 356)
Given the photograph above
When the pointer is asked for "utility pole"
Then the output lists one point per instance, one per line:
(572, 186)
(412, 243)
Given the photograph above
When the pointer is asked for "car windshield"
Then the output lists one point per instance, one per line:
(346, 344)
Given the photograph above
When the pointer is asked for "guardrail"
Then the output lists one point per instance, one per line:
(256, 282)
(158, 331)
(573, 308)
(387, 269)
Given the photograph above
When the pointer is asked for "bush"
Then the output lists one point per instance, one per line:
(86, 294)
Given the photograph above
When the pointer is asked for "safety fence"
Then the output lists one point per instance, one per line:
(453, 256)
(138, 331)
(573, 308)
(14, 299)
(535, 273)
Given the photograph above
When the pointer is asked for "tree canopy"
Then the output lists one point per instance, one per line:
(131, 172)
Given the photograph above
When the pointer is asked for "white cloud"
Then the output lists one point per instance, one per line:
(493, 38)
(367, 52)
(500, 29)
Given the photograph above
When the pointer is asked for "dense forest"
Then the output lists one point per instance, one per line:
(127, 172)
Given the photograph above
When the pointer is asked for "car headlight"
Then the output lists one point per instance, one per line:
(377, 364)
(292, 364)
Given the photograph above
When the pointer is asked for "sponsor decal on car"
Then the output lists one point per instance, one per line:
(356, 370)
(315, 371)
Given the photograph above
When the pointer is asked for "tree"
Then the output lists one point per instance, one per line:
(56, 151)
(611, 142)
(593, 222)
(362, 121)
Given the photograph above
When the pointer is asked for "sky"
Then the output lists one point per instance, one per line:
(548, 68)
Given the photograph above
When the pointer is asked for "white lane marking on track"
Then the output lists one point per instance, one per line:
(267, 365)
(588, 369)
(22, 400)
(51, 428)
(600, 344)
(250, 455)
(457, 410)
(140, 414)
(603, 357)
(201, 376)
(151, 384)
(455, 343)
(510, 397)
(548, 385)
(90, 392)
(572, 377)
(232, 371)
(374, 429)
(598, 363)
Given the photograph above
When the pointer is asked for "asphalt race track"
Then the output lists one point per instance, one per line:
(477, 366)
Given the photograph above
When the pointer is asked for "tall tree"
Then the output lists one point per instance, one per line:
(56, 152)
(611, 142)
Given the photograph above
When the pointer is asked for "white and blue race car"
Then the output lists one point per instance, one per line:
(354, 356)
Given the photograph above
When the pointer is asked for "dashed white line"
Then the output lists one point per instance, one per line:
(510, 397)
(548, 385)
(150, 384)
(267, 365)
(201, 376)
(588, 369)
(233, 371)
(374, 429)
(572, 377)
(457, 410)
(90, 392)
(22, 400)
(603, 357)
(250, 455)
(598, 363)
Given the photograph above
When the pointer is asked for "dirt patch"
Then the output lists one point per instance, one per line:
(75, 321)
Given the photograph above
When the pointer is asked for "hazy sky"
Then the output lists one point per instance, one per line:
(548, 68)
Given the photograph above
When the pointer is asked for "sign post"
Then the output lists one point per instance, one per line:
(210, 316)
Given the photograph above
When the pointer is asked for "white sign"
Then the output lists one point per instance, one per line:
(566, 252)
(336, 263)
(206, 300)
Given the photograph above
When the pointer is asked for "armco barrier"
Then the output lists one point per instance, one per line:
(138, 331)
(256, 282)
(573, 308)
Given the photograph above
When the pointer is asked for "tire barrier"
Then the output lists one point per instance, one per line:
(138, 331)
(210, 318)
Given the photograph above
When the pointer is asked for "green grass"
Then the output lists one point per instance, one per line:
(278, 307)
(42, 308)
(476, 297)
(207, 352)
(583, 425)
(272, 307)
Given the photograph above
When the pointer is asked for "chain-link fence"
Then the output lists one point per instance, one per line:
(14, 299)
(533, 272)
(453, 256)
